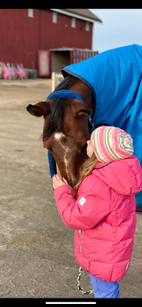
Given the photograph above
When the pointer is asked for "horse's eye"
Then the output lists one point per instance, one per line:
(84, 146)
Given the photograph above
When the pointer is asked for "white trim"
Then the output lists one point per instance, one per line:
(93, 30)
(31, 13)
(73, 22)
(87, 26)
(74, 15)
(68, 49)
(54, 17)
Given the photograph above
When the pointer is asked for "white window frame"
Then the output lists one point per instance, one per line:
(73, 22)
(54, 17)
(87, 27)
(31, 13)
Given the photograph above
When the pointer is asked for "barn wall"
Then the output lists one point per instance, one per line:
(61, 34)
(19, 37)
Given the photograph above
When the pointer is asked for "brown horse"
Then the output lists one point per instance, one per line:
(66, 127)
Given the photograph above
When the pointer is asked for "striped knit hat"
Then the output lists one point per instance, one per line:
(111, 143)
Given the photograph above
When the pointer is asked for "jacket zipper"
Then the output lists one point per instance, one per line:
(81, 244)
(80, 240)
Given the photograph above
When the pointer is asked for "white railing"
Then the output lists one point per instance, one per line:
(56, 79)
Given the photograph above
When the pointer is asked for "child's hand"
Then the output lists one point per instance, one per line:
(57, 181)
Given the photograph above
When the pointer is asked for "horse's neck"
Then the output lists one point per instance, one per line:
(86, 93)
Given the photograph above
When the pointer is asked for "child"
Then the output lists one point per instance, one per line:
(101, 208)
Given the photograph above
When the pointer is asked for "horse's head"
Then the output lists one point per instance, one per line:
(65, 133)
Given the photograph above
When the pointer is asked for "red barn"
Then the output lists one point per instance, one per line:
(59, 32)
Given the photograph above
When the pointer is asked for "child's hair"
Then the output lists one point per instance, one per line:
(85, 170)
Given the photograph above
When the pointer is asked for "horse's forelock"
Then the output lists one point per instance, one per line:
(56, 116)
(55, 119)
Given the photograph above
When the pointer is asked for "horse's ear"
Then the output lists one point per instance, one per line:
(78, 109)
(39, 109)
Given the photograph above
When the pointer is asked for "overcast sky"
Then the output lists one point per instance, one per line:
(120, 27)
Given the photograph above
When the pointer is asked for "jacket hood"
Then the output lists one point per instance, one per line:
(123, 176)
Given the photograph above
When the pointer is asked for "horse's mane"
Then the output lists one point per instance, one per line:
(65, 83)
(56, 116)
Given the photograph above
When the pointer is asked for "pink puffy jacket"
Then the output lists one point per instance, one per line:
(104, 217)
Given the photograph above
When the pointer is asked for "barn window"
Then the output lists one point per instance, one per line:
(30, 13)
(73, 22)
(87, 26)
(54, 17)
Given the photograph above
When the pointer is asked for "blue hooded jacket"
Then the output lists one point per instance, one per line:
(115, 77)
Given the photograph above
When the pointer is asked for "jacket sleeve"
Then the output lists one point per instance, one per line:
(87, 211)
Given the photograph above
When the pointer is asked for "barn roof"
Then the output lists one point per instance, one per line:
(84, 14)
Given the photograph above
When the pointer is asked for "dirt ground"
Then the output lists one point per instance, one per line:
(36, 249)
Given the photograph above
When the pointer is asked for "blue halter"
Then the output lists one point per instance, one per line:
(68, 95)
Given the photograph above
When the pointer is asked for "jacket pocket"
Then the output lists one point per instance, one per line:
(80, 241)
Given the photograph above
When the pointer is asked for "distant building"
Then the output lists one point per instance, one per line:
(66, 35)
